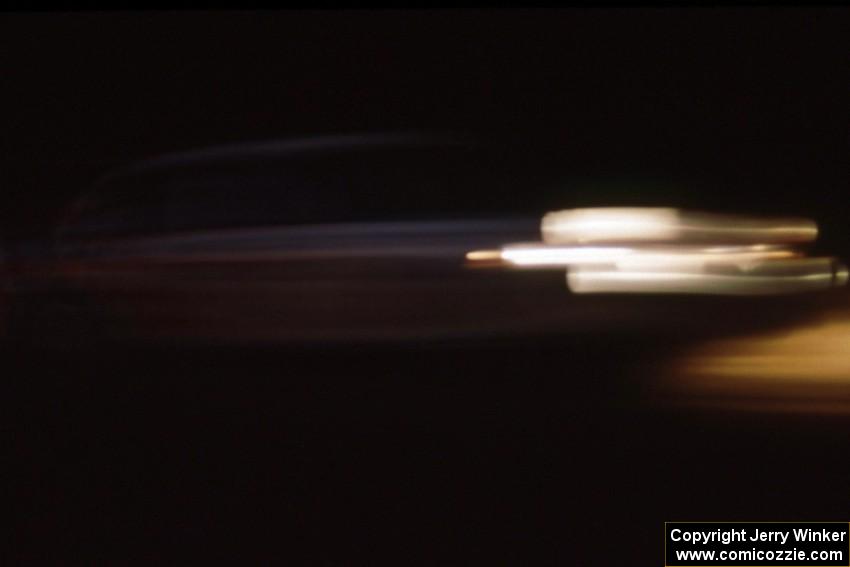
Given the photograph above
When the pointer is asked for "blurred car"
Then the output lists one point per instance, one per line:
(329, 239)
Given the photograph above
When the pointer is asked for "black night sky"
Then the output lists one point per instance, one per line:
(734, 108)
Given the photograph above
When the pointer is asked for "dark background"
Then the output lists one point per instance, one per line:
(738, 107)
(446, 455)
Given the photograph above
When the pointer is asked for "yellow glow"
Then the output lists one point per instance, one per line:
(483, 255)
(802, 368)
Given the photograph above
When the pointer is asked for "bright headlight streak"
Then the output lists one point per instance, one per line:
(610, 224)
(631, 258)
(616, 281)
(664, 250)
(636, 224)
(560, 257)
(699, 259)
